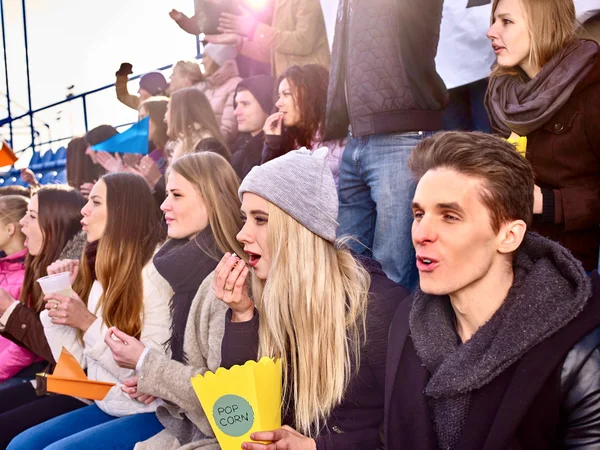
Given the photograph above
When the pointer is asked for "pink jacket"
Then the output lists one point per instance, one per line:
(219, 90)
(13, 358)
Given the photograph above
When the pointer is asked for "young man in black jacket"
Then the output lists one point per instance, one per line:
(498, 348)
(254, 99)
(386, 96)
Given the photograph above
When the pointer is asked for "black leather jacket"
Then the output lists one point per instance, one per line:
(580, 386)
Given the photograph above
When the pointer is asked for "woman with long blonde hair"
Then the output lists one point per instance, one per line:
(318, 307)
(202, 214)
(546, 86)
(192, 125)
(116, 285)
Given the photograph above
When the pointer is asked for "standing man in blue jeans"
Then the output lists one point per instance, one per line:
(385, 92)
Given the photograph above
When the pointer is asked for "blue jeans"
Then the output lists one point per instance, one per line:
(88, 428)
(376, 189)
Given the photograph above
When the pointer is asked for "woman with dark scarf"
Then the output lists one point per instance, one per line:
(202, 215)
(546, 86)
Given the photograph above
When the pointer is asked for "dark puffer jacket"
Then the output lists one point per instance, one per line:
(383, 77)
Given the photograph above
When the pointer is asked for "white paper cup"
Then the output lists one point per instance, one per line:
(59, 283)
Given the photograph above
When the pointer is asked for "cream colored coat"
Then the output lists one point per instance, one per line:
(297, 36)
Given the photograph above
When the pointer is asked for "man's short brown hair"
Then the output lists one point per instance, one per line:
(506, 176)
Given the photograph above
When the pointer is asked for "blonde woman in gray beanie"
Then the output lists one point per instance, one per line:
(324, 311)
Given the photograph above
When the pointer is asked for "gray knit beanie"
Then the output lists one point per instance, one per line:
(301, 184)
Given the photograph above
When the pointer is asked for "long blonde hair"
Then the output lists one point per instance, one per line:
(552, 26)
(217, 183)
(312, 316)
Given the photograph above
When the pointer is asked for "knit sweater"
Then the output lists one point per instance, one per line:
(170, 380)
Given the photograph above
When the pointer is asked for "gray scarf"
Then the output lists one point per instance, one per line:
(523, 106)
(550, 289)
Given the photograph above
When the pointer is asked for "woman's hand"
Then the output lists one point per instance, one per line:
(65, 265)
(224, 39)
(110, 163)
(538, 200)
(148, 170)
(286, 438)
(69, 311)
(28, 177)
(176, 15)
(6, 300)
(273, 124)
(230, 287)
(126, 349)
(242, 23)
(130, 387)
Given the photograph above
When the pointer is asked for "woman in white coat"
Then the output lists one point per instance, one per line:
(116, 285)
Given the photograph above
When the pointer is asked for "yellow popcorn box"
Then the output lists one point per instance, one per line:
(520, 143)
(241, 400)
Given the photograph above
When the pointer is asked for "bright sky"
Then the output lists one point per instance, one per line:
(82, 43)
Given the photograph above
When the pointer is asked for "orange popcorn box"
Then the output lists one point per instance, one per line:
(241, 400)
(70, 379)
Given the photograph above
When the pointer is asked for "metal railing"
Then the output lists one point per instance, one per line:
(30, 113)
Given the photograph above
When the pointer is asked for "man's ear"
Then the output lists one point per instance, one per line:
(511, 236)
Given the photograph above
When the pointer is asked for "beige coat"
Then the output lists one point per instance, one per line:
(297, 36)
(170, 380)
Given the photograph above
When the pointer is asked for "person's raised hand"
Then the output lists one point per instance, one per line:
(229, 285)
(242, 23)
(110, 163)
(124, 70)
(224, 39)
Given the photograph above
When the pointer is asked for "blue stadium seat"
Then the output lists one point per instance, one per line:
(35, 163)
(20, 182)
(48, 160)
(48, 177)
(60, 157)
(61, 178)
(10, 181)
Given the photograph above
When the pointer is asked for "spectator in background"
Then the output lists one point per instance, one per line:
(253, 101)
(13, 357)
(82, 172)
(296, 35)
(151, 84)
(206, 20)
(300, 120)
(52, 229)
(462, 32)
(498, 348)
(383, 84)
(217, 82)
(222, 77)
(117, 285)
(192, 125)
(546, 86)
(153, 166)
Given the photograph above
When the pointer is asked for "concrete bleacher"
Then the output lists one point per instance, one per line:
(49, 168)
